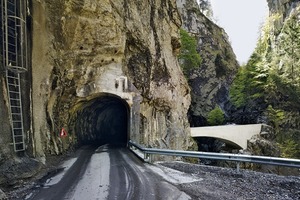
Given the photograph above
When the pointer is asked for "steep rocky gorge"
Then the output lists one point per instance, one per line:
(95, 65)
(209, 82)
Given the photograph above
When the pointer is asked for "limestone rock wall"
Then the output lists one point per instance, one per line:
(5, 129)
(211, 81)
(81, 47)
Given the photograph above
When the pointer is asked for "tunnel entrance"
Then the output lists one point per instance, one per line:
(103, 120)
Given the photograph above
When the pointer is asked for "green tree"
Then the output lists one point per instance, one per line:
(249, 84)
(188, 58)
(276, 117)
(238, 88)
(216, 117)
(282, 93)
(289, 149)
(289, 43)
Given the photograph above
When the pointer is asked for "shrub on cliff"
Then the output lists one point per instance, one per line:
(188, 58)
(216, 117)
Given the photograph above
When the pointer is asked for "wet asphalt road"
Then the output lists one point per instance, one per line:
(106, 173)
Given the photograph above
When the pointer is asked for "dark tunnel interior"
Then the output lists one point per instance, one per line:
(103, 120)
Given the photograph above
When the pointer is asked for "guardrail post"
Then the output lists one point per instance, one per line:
(146, 157)
(238, 167)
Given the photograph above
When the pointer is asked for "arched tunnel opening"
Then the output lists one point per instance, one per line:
(103, 120)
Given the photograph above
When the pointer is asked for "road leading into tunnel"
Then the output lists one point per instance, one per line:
(106, 172)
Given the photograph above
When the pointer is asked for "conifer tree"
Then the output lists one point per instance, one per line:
(290, 45)
(188, 58)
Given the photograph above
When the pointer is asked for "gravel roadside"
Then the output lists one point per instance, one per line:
(225, 183)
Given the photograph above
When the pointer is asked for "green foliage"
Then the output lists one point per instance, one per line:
(276, 117)
(237, 91)
(282, 93)
(249, 84)
(289, 149)
(188, 58)
(289, 142)
(292, 121)
(289, 44)
(269, 84)
(216, 117)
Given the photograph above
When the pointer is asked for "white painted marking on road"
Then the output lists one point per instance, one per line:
(95, 181)
(55, 179)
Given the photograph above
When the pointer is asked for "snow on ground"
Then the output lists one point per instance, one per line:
(172, 175)
(138, 152)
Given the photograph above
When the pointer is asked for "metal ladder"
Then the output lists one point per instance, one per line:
(15, 101)
(14, 41)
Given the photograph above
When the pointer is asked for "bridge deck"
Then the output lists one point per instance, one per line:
(237, 134)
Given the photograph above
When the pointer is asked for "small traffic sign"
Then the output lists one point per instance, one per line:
(63, 133)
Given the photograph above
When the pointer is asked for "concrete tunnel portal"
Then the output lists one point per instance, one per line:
(103, 120)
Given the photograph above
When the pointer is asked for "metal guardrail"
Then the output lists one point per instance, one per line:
(217, 156)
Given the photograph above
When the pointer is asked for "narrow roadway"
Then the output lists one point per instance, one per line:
(106, 173)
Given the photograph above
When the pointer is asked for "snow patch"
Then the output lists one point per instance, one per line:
(172, 175)
(138, 153)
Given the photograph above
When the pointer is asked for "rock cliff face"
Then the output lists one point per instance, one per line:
(123, 50)
(210, 82)
(4, 121)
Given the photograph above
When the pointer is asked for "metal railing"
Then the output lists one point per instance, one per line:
(238, 158)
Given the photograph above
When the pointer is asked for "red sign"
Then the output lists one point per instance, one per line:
(63, 133)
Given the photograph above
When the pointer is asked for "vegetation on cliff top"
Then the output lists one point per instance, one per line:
(269, 84)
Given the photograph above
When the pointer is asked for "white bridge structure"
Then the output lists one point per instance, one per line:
(237, 135)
